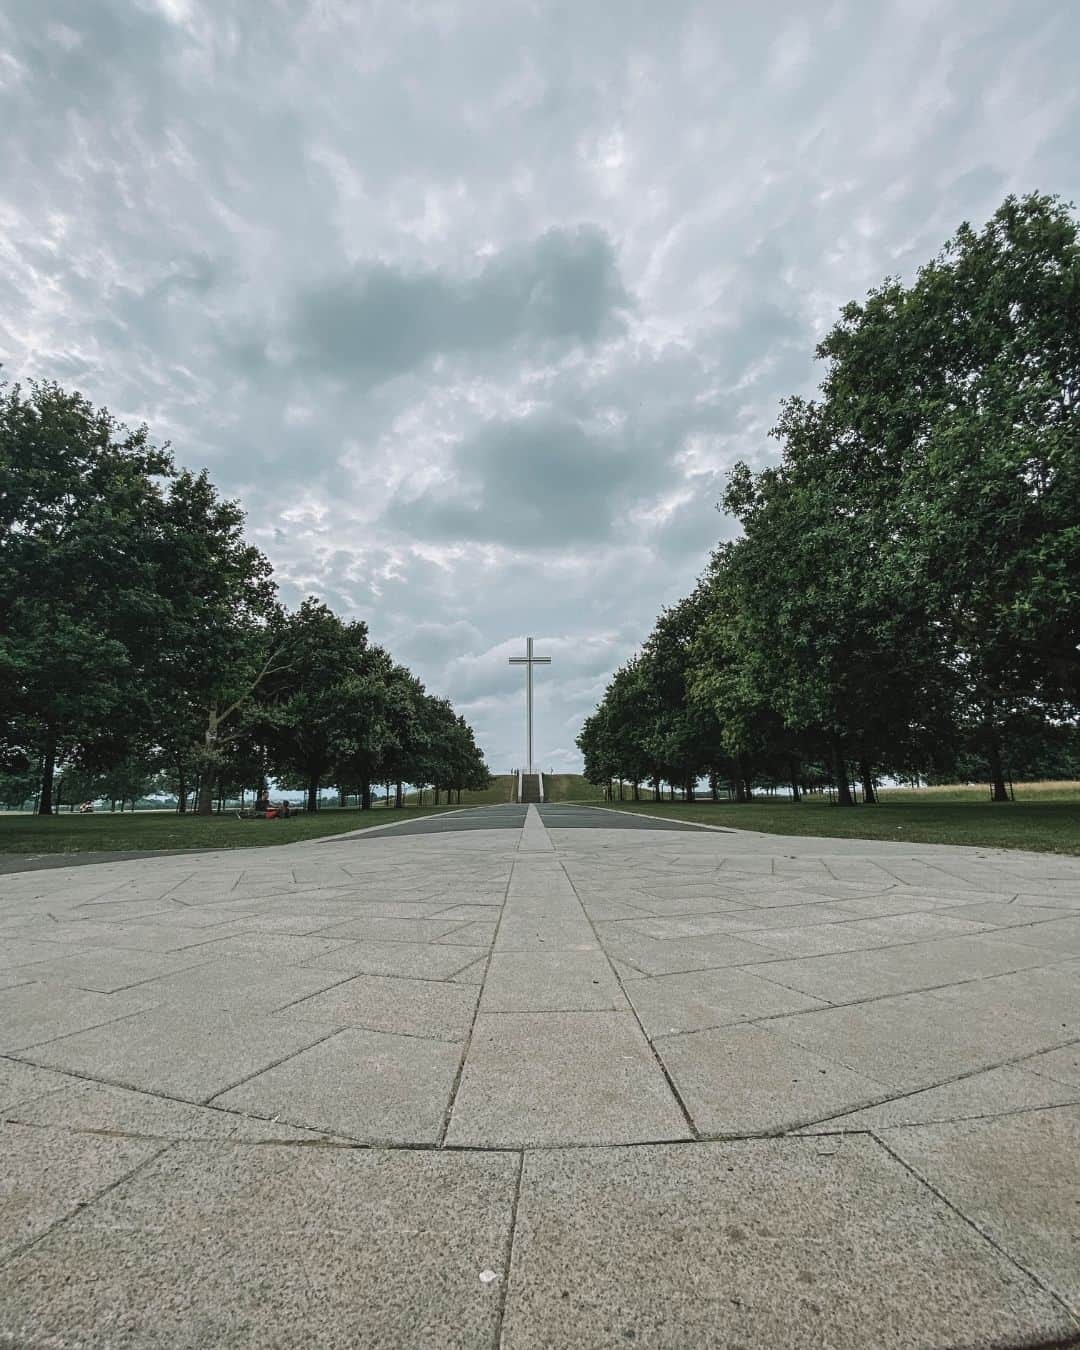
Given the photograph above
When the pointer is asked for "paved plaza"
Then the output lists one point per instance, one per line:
(542, 1078)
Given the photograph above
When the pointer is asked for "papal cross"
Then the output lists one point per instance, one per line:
(528, 661)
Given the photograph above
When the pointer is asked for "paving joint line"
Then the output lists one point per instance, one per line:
(941, 1120)
(206, 1101)
(448, 1114)
(978, 1228)
(85, 1204)
(1016, 1061)
(675, 1093)
(508, 1253)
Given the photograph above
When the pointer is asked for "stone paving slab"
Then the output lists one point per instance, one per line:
(105, 970)
(90, 1107)
(419, 960)
(905, 968)
(185, 1053)
(1016, 1177)
(352, 1050)
(559, 981)
(238, 986)
(914, 1040)
(550, 1078)
(35, 1013)
(771, 1243)
(47, 1178)
(740, 1080)
(438, 1010)
(702, 999)
(989, 1093)
(281, 1247)
(373, 1086)
(1062, 1065)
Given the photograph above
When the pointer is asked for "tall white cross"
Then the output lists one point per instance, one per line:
(528, 661)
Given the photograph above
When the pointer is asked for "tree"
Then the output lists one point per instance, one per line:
(220, 641)
(310, 720)
(140, 632)
(79, 499)
(906, 591)
(961, 395)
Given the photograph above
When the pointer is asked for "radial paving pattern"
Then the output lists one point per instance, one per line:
(541, 1079)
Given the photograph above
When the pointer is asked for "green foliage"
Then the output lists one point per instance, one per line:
(905, 596)
(141, 635)
(78, 504)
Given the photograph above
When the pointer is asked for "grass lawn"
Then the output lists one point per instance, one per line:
(158, 830)
(1045, 819)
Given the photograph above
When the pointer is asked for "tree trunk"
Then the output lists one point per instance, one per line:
(397, 796)
(48, 768)
(365, 797)
(313, 793)
(866, 777)
(714, 786)
(637, 790)
(999, 792)
(207, 774)
(740, 790)
(620, 789)
(843, 786)
(690, 797)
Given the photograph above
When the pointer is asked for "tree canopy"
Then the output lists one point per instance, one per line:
(142, 638)
(905, 595)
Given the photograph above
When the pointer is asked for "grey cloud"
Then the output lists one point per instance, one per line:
(474, 304)
(539, 482)
(379, 320)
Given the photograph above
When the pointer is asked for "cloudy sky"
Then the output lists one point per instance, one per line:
(472, 302)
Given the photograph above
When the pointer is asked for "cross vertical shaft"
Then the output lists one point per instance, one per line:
(528, 661)
(528, 695)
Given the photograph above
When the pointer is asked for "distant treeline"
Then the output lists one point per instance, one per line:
(143, 646)
(905, 596)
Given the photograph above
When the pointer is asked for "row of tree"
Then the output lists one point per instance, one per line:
(904, 597)
(142, 639)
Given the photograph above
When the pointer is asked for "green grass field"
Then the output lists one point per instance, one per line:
(1044, 818)
(159, 830)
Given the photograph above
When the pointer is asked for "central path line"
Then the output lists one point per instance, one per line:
(534, 835)
(557, 1056)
